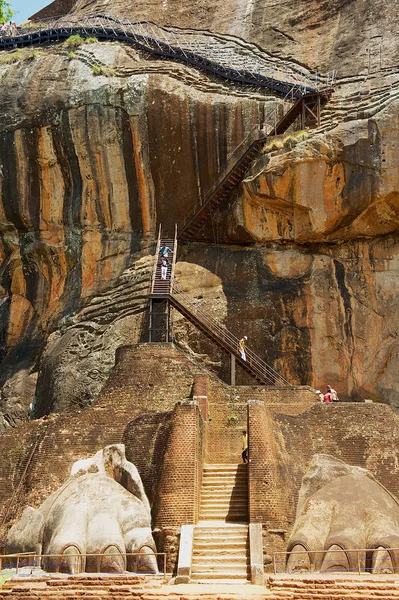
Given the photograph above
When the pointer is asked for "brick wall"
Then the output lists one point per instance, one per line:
(134, 408)
(270, 502)
(180, 482)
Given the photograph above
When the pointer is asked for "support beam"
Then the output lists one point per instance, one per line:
(232, 369)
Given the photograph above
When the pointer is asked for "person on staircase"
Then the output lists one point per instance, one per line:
(244, 452)
(241, 347)
(164, 251)
(164, 268)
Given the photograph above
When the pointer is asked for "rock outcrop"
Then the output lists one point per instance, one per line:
(100, 145)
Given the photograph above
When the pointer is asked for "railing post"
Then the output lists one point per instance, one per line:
(232, 369)
(358, 561)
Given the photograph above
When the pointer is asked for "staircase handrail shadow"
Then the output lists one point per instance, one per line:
(225, 338)
(257, 135)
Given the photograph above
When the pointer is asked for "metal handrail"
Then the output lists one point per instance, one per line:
(38, 558)
(350, 552)
(154, 269)
(230, 341)
(172, 273)
(257, 134)
(157, 41)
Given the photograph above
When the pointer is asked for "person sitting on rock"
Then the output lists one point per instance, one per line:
(333, 394)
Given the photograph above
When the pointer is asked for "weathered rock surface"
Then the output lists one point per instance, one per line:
(89, 165)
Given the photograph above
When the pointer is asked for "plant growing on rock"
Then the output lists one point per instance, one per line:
(232, 419)
(290, 141)
(22, 55)
(75, 41)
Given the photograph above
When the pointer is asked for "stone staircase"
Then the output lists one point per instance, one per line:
(224, 493)
(221, 546)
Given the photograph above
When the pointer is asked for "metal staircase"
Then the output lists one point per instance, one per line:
(227, 57)
(166, 294)
(307, 108)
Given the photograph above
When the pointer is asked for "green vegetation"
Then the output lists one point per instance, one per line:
(6, 12)
(292, 140)
(103, 70)
(21, 55)
(232, 419)
(288, 142)
(75, 41)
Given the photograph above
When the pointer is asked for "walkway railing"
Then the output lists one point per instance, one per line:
(57, 562)
(227, 60)
(229, 341)
(358, 560)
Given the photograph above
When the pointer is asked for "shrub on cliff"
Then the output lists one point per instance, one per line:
(22, 55)
(75, 41)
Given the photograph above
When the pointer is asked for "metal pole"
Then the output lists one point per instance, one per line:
(150, 323)
(167, 320)
(232, 369)
(164, 566)
(358, 561)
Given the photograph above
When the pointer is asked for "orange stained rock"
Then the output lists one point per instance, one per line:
(20, 315)
(52, 189)
(144, 182)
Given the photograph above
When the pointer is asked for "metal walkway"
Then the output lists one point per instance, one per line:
(166, 294)
(307, 108)
(225, 56)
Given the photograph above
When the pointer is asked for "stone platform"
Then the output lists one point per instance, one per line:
(328, 586)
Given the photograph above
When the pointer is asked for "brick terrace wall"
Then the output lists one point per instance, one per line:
(366, 435)
(179, 489)
(224, 444)
(287, 401)
(134, 408)
(270, 502)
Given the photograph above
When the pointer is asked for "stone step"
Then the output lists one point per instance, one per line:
(222, 574)
(231, 552)
(221, 538)
(215, 515)
(215, 561)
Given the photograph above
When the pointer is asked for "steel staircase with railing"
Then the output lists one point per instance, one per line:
(168, 294)
(226, 56)
(243, 156)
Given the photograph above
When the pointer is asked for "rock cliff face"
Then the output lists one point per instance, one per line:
(91, 164)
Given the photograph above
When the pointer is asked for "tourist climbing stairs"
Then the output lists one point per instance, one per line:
(161, 287)
(307, 108)
(168, 290)
(221, 546)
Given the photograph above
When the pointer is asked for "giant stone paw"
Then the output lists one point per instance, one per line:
(100, 514)
(341, 508)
